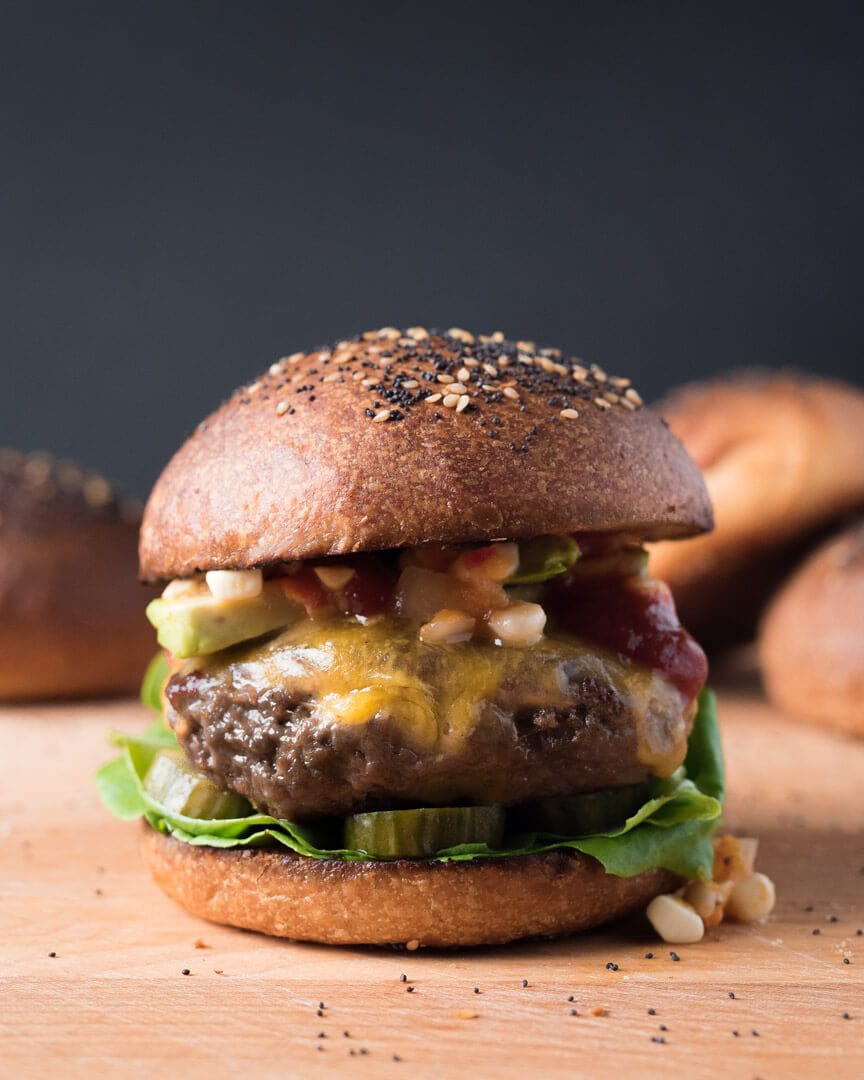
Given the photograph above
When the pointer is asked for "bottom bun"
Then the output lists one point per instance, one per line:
(438, 904)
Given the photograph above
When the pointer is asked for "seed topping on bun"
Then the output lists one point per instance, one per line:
(485, 379)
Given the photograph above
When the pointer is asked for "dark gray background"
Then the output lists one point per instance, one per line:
(190, 189)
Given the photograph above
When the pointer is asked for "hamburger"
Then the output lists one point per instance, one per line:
(71, 613)
(416, 685)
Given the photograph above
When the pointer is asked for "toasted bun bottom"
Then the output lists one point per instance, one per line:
(443, 905)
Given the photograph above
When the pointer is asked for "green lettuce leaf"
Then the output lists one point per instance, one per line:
(672, 830)
(154, 679)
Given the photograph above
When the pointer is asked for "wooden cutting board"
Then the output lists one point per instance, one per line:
(762, 1001)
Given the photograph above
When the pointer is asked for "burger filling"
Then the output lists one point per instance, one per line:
(443, 701)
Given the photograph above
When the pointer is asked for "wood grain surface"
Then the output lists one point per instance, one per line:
(114, 999)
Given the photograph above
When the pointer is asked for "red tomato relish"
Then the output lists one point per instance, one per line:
(633, 616)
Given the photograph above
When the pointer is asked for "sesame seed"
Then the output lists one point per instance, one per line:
(282, 408)
(503, 361)
(409, 384)
(456, 388)
(276, 369)
(601, 403)
(419, 333)
(464, 374)
(332, 377)
(569, 414)
(490, 369)
(628, 404)
(611, 397)
(389, 332)
(618, 382)
(632, 395)
(381, 416)
(524, 358)
(357, 375)
(445, 379)
(450, 401)
(369, 383)
(510, 392)
(433, 398)
(464, 402)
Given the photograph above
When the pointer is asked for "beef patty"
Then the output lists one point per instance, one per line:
(335, 722)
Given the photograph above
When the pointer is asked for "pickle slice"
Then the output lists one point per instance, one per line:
(544, 557)
(398, 834)
(584, 814)
(172, 782)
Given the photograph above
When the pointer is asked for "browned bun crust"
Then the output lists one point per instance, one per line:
(297, 466)
(71, 610)
(812, 637)
(444, 905)
(782, 456)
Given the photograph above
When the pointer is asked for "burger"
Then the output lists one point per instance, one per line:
(416, 685)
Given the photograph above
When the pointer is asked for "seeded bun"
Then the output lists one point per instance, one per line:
(812, 637)
(342, 450)
(443, 905)
(71, 611)
(782, 457)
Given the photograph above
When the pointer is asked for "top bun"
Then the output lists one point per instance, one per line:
(71, 611)
(782, 455)
(393, 439)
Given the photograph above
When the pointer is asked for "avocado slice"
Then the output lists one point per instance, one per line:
(199, 625)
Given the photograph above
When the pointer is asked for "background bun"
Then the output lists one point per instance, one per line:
(812, 637)
(782, 458)
(488, 902)
(338, 450)
(71, 612)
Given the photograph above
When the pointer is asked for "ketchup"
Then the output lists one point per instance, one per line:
(635, 617)
(370, 591)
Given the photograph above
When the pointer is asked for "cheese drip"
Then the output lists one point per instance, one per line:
(352, 673)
